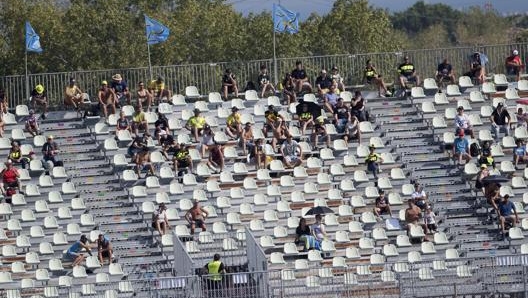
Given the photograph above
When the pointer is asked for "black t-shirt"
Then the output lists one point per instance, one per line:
(123, 123)
(35, 94)
(181, 154)
(263, 79)
(168, 141)
(226, 79)
(161, 123)
(500, 119)
(298, 74)
(48, 147)
(444, 68)
(406, 69)
(341, 112)
(299, 231)
(359, 105)
(380, 200)
(325, 82)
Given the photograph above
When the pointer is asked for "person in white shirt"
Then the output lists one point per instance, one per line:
(430, 219)
(419, 196)
(462, 122)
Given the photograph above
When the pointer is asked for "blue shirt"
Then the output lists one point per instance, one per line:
(76, 247)
(119, 87)
(520, 151)
(461, 145)
(506, 208)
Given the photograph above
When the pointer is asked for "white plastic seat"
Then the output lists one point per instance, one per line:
(13, 225)
(45, 248)
(42, 275)
(277, 258)
(314, 256)
(429, 84)
(488, 88)
(59, 238)
(453, 90)
(390, 250)
(450, 113)
(395, 199)
(22, 241)
(379, 234)
(366, 243)
(428, 108)
(403, 241)
(417, 92)
(465, 82)
(290, 248)
(451, 254)
(352, 253)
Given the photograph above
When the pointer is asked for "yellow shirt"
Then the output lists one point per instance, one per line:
(197, 122)
(154, 85)
(233, 119)
(72, 91)
(139, 117)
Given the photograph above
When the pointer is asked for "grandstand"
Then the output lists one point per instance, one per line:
(253, 214)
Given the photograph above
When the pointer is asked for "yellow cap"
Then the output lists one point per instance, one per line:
(483, 166)
(39, 88)
(104, 83)
(320, 119)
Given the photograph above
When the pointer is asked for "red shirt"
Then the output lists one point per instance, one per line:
(9, 175)
(514, 59)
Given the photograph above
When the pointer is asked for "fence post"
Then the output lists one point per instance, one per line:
(455, 289)
(524, 281)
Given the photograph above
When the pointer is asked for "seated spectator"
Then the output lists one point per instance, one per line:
(519, 153)
(330, 99)
(104, 249)
(73, 95)
(139, 122)
(207, 140)
(119, 88)
(492, 194)
(288, 89)
(3, 101)
(407, 73)
(477, 69)
(483, 173)
(196, 217)
(162, 124)
(462, 122)
(216, 159)
(280, 132)
(135, 147)
(106, 99)
(342, 116)
(144, 96)
(234, 124)
(357, 106)
(258, 155)
(16, 157)
(300, 79)
(143, 162)
(352, 130)
(445, 73)
(182, 159)
(500, 121)
(50, 151)
(303, 235)
(319, 133)
(430, 220)
(39, 97)
(371, 76)
(323, 83)
(514, 65)
(413, 215)
(195, 124)
(306, 119)
(168, 144)
(337, 79)
(32, 126)
(507, 213)
(318, 229)
(373, 160)
(265, 85)
(229, 84)
(160, 222)
(522, 119)
(291, 152)
(10, 177)
(487, 159)
(247, 141)
(73, 253)
(271, 116)
(382, 205)
(159, 91)
(461, 149)
(419, 196)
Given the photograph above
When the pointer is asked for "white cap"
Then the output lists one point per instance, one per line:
(515, 52)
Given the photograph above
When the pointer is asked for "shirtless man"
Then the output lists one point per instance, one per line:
(412, 216)
(247, 141)
(143, 162)
(106, 98)
(196, 216)
(279, 133)
(144, 96)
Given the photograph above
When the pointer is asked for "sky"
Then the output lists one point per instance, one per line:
(306, 7)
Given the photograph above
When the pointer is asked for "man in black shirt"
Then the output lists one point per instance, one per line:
(445, 72)
(323, 83)
(300, 80)
(407, 73)
(50, 149)
(500, 121)
(265, 84)
(168, 144)
(229, 84)
(342, 116)
(382, 204)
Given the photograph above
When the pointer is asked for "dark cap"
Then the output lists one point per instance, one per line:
(196, 111)
(500, 104)
(234, 109)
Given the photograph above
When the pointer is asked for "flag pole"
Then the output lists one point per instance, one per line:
(149, 64)
(27, 78)
(275, 74)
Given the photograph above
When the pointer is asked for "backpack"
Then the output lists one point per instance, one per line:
(474, 149)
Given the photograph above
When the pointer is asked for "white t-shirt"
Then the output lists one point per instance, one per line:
(429, 218)
(418, 194)
(462, 121)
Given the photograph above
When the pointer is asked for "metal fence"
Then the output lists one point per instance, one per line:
(207, 76)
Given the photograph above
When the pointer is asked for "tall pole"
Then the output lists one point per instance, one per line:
(275, 74)
(27, 80)
(149, 64)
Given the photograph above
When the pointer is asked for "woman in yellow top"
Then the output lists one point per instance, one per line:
(158, 90)
(138, 120)
(305, 119)
(234, 124)
(73, 95)
(195, 125)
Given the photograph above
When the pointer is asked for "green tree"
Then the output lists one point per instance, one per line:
(434, 36)
(479, 27)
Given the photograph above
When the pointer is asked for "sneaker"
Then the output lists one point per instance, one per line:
(43, 116)
(388, 93)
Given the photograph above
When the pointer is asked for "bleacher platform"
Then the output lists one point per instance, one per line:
(364, 256)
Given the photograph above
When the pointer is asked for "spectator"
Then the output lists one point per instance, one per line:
(106, 99)
(291, 152)
(444, 72)
(323, 83)
(32, 126)
(10, 177)
(16, 157)
(371, 76)
(265, 84)
(318, 229)
(247, 139)
(215, 270)
(139, 122)
(119, 88)
(430, 220)
(507, 213)
(306, 118)
(372, 160)
(162, 124)
(135, 147)
(168, 144)
(50, 150)
(476, 68)
(73, 95)
(144, 96)
(342, 116)
(195, 124)
(483, 173)
(407, 73)
(234, 124)
(492, 194)
(143, 162)
(486, 158)
(500, 121)
(196, 217)
(303, 235)
(39, 97)
(419, 196)
(280, 132)
(207, 140)
(462, 122)
(182, 160)
(229, 84)
(216, 159)
(271, 116)
(352, 130)
(412, 216)
(73, 253)
(319, 132)
(461, 149)
(104, 249)
(300, 79)
(288, 89)
(514, 65)
(382, 205)
(522, 119)
(3, 101)
(337, 79)
(519, 153)
(358, 106)
(160, 222)
(259, 155)
(159, 91)
(330, 99)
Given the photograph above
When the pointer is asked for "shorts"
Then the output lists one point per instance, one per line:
(421, 204)
(161, 224)
(182, 163)
(513, 70)
(72, 255)
(11, 184)
(409, 78)
(291, 158)
(199, 223)
(370, 79)
(105, 254)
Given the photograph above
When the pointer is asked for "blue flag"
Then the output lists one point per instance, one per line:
(285, 20)
(32, 39)
(156, 31)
